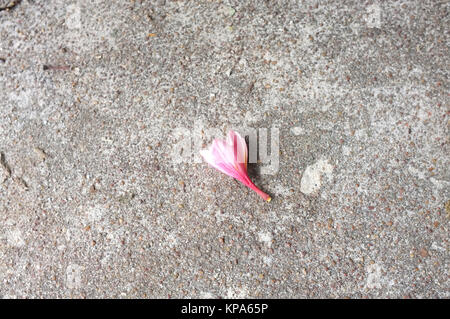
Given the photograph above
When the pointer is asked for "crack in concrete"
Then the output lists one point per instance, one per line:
(5, 166)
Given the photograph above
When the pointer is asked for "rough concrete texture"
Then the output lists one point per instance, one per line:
(93, 205)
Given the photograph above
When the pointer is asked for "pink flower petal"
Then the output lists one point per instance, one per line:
(230, 157)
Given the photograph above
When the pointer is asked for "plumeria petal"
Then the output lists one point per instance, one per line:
(240, 150)
(230, 157)
(221, 166)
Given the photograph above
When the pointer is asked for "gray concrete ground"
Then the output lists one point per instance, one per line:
(92, 203)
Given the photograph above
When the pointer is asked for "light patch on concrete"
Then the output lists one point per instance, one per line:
(95, 213)
(361, 134)
(23, 99)
(374, 276)
(289, 207)
(73, 19)
(73, 276)
(15, 238)
(346, 150)
(280, 190)
(106, 259)
(207, 295)
(265, 237)
(297, 131)
(440, 184)
(267, 260)
(414, 171)
(252, 117)
(312, 177)
(171, 240)
(237, 293)
(435, 246)
(222, 216)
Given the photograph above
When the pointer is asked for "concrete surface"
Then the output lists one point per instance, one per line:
(92, 204)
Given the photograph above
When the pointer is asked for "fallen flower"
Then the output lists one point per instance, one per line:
(230, 157)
